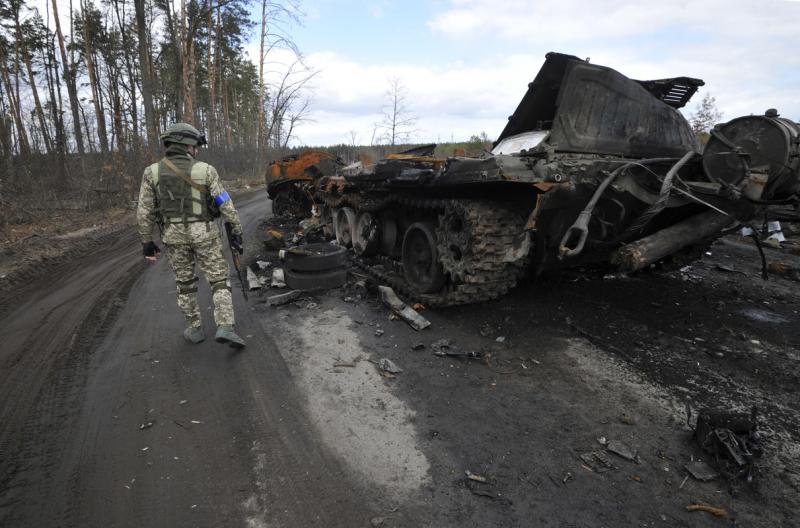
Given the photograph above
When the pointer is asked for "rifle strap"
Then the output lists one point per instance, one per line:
(185, 177)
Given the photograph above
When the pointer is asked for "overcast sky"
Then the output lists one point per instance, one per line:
(467, 63)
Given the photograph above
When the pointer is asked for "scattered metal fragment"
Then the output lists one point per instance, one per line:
(728, 268)
(379, 332)
(277, 278)
(621, 449)
(252, 280)
(444, 347)
(376, 521)
(732, 439)
(387, 365)
(597, 461)
(284, 298)
(418, 346)
(146, 425)
(473, 476)
(701, 471)
(500, 339)
(408, 314)
(713, 510)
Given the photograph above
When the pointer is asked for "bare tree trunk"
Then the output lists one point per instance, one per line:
(24, 145)
(117, 113)
(92, 147)
(8, 151)
(261, 84)
(130, 85)
(36, 102)
(225, 114)
(192, 85)
(147, 78)
(210, 69)
(187, 98)
(51, 68)
(69, 77)
(88, 56)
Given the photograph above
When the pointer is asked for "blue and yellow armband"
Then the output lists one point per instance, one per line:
(221, 198)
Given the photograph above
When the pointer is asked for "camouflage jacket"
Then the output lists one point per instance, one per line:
(147, 214)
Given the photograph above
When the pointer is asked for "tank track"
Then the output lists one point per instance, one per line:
(487, 231)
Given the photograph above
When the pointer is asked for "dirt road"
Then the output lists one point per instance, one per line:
(108, 418)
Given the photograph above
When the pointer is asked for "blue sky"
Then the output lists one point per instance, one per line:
(466, 63)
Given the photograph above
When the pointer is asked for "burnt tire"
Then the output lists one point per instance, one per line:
(315, 257)
(315, 280)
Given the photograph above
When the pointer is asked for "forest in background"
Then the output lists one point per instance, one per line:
(87, 86)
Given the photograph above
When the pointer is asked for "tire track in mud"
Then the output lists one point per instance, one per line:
(61, 258)
(42, 380)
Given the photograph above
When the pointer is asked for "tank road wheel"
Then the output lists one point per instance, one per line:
(345, 226)
(367, 235)
(421, 266)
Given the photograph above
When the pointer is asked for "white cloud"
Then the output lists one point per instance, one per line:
(744, 50)
(450, 101)
(581, 21)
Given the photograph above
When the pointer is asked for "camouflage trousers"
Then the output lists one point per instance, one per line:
(207, 254)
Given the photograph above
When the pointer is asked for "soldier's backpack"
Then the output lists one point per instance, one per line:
(183, 196)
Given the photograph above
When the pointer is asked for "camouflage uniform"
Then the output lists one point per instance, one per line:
(192, 242)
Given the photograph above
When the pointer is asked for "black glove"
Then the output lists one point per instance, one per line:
(236, 242)
(150, 249)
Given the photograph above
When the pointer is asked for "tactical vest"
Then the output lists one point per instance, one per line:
(179, 202)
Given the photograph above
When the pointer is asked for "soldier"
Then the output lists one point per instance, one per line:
(185, 196)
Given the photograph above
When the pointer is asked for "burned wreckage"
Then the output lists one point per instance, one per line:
(592, 167)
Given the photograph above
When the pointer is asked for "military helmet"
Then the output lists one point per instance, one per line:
(185, 134)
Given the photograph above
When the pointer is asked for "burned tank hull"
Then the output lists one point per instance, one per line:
(290, 181)
(591, 167)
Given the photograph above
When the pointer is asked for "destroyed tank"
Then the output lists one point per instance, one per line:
(290, 181)
(592, 167)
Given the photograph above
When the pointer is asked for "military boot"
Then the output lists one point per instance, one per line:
(194, 335)
(225, 334)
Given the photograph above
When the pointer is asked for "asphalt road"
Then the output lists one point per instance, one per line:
(109, 418)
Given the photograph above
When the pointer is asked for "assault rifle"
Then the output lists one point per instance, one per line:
(236, 261)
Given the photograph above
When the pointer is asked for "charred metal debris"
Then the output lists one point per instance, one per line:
(732, 439)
